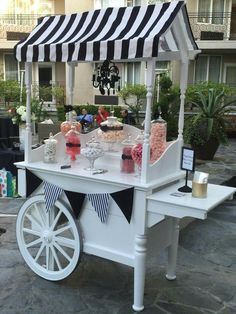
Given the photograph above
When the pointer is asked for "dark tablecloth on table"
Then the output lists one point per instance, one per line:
(8, 157)
(7, 128)
(9, 133)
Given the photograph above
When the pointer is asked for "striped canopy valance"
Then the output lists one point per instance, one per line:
(112, 33)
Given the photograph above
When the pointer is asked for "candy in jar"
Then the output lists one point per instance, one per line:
(92, 151)
(127, 162)
(50, 149)
(111, 131)
(137, 150)
(157, 139)
(72, 143)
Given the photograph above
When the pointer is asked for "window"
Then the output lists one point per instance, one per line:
(207, 68)
(162, 66)
(98, 4)
(155, 1)
(210, 11)
(112, 3)
(11, 67)
(230, 74)
(133, 72)
(19, 11)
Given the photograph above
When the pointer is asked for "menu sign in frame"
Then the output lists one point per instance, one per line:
(187, 164)
(187, 159)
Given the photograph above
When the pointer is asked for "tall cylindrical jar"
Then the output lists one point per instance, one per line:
(137, 151)
(73, 143)
(127, 162)
(158, 138)
(50, 149)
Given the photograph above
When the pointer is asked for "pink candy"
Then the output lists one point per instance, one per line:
(72, 145)
(157, 140)
(136, 153)
(114, 136)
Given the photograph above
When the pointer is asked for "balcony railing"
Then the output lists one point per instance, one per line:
(201, 24)
(19, 19)
(214, 26)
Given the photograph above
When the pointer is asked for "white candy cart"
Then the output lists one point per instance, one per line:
(51, 241)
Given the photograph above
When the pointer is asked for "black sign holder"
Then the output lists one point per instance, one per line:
(188, 164)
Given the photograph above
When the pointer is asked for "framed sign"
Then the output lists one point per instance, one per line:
(187, 159)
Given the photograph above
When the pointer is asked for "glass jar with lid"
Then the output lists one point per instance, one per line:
(70, 120)
(72, 143)
(137, 151)
(111, 131)
(92, 151)
(127, 162)
(157, 138)
(50, 149)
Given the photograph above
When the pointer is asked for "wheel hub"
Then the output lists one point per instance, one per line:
(47, 236)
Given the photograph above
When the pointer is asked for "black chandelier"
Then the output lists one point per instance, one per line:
(107, 77)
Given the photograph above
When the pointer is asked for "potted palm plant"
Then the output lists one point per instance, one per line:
(206, 129)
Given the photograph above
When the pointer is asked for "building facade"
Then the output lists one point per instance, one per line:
(214, 27)
(213, 24)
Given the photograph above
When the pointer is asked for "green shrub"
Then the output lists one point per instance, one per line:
(168, 106)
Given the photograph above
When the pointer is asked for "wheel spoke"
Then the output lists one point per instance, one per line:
(47, 257)
(40, 214)
(56, 258)
(60, 249)
(47, 218)
(31, 231)
(34, 242)
(66, 242)
(34, 220)
(39, 252)
(62, 229)
(56, 220)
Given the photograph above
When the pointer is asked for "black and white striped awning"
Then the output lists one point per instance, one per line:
(113, 33)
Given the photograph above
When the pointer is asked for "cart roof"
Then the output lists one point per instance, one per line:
(124, 33)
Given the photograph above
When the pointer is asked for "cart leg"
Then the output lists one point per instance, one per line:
(139, 271)
(172, 250)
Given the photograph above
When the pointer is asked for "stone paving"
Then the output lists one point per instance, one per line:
(206, 268)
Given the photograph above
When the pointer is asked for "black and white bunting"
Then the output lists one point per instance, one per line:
(107, 34)
(100, 202)
(51, 193)
(124, 199)
(76, 201)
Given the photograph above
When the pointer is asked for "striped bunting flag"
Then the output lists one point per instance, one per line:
(100, 202)
(51, 194)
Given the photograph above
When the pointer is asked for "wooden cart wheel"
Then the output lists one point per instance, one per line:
(49, 241)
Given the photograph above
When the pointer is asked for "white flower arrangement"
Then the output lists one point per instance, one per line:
(18, 115)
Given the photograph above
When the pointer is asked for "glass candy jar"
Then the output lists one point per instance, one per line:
(70, 121)
(137, 151)
(72, 143)
(127, 162)
(158, 138)
(92, 151)
(50, 149)
(111, 131)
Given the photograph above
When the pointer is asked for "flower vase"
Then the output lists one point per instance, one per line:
(22, 130)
